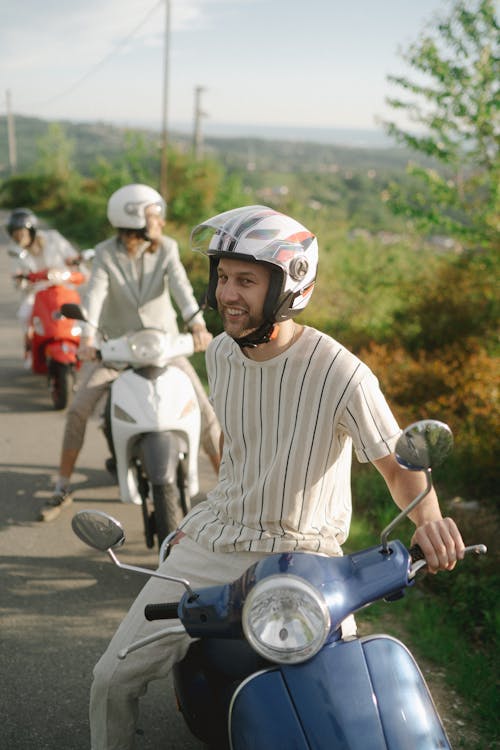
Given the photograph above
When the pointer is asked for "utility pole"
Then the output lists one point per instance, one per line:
(198, 114)
(164, 134)
(11, 135)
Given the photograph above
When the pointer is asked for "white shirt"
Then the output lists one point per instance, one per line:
(56, 250)
(289, 424)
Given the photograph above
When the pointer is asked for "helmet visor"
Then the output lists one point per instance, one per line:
(226, 225)
(250, 233)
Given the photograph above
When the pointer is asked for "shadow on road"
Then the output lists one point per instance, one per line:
(25, 487)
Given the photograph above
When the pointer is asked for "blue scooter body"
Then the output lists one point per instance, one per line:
(361, 694)
(357, 694)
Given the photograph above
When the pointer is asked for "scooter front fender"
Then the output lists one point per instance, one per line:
(354, 695)
(160, 455)
(152, 406)
(62, 351)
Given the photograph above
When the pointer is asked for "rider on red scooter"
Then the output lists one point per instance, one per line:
(34, 250)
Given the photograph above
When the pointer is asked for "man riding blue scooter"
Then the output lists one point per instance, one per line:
(292, 402)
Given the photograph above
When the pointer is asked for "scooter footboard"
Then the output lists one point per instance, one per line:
(354, 695)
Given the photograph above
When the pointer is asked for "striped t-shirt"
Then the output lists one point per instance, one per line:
(289, 424)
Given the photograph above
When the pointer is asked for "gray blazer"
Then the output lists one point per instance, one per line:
(126, 294)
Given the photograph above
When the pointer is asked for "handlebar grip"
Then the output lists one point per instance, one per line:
(166, 611)
(416, 553)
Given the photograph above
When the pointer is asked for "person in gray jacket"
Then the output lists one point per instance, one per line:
(133, 275)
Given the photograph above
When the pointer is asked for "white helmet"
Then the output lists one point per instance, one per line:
(127, 205)
(263, 235)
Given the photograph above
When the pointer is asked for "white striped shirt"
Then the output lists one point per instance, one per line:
(289, 424)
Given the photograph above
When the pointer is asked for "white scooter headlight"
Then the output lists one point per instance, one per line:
(147, 346)
(285, 619)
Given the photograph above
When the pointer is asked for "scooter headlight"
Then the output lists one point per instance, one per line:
(285, 619)
(58, 276)
(147, 346)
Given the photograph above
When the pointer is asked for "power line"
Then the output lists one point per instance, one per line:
(105, 59)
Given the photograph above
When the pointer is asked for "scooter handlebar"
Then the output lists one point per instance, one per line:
(416, 553)
(417, 557)
(54, 275)
(166, 611)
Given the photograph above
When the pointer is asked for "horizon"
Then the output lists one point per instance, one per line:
(339, 136)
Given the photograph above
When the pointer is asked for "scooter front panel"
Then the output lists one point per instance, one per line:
(152, 406)
(334, 699)
(363, 694)
(263, 716)
(407, 710)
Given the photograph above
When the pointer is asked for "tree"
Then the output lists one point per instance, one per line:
(455, 99)
(55, 154)
(445, 336)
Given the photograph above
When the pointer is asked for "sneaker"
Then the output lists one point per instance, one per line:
(53, 507)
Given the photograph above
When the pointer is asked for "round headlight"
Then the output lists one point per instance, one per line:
(285, 619)
(147, 346)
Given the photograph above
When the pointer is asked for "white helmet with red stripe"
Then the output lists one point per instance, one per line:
(262, 235)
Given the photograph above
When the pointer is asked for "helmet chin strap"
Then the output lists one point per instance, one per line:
(261, 335)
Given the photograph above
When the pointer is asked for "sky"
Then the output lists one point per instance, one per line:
(305, 63)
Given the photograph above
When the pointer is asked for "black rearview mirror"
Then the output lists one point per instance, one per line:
(98, 530)
(70, 310)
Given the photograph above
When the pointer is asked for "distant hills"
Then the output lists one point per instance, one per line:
(271, 148)
(349, 137)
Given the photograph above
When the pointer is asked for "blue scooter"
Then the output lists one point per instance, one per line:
(270, 669)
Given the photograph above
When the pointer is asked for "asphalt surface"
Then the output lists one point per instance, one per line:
(60, 602)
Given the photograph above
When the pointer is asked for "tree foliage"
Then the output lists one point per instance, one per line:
(443, 339)
(76, 203)
(453, 98)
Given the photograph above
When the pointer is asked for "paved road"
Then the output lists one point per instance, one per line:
(59, 601)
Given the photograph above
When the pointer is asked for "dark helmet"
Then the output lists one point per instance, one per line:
(22, 218)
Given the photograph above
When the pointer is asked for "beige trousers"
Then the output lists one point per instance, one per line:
(118, 684)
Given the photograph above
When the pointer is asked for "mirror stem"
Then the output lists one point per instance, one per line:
(404, 513)
(152, 573)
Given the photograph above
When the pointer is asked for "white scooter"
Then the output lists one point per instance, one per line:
(153, 420)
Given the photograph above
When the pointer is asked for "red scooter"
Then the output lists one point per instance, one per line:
(53, 340)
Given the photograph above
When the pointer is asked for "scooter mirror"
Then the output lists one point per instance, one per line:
(88, 254)
(98, 530)
(424, 445)
(70, 310)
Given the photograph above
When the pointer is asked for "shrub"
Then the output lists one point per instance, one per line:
(458, 386)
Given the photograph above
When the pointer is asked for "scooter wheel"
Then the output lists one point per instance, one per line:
(60, 378)
(167, 509)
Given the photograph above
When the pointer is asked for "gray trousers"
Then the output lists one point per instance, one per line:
(95, 380)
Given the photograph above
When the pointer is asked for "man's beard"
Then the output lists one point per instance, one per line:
(252, 323)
